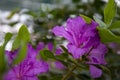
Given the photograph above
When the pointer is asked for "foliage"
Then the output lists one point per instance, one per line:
(75, 69)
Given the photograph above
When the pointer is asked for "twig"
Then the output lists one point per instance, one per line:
(69, 73)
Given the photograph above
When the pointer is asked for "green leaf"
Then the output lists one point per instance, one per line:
(12, 13)
(101, 23)
(46, 54)
(107, 36)
(23, 35)
(21, 42)
(115, 25)
(2, 59)
(49, 54)
(43, 55)
(33, 14)
(62, 56)
(13, 23)
(109, 11)
(16, 43)
(87, 19)
(7, 37)
(21, 54)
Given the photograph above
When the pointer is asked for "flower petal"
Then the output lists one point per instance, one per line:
(75, 25)
(50, 46)
(95, 72)
(60, 31)
(98, 54)
(76, 52)
(58, 51)
(40, 46)
(29, 78)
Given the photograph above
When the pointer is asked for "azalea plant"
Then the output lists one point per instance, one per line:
(87, 55)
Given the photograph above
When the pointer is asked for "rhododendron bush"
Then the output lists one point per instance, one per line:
(83, 48)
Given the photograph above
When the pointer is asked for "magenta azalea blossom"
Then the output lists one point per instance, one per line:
(29, 68)
(81, 35)
(96, 57)
(82, 38)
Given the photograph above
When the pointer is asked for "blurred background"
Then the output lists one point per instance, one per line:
(41, 15)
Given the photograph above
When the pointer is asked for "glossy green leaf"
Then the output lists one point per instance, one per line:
(107, 36)
(101, 23)
(46, 54)
(109, 11)
(115, 25)
(16, 43)
(23, 35)
(49, 54)
(21, 54)
(87, 19)
(21, 42)
(7, 37)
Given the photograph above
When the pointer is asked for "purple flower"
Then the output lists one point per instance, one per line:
(50, 46)
(81, 36)
(96, 57)
(29, 68)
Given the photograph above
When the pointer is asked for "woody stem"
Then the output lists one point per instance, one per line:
(69, 73)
